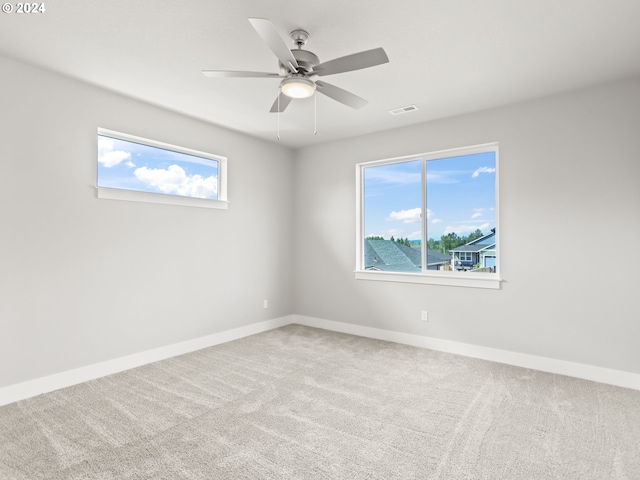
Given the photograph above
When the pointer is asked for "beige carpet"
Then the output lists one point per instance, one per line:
(303, 403)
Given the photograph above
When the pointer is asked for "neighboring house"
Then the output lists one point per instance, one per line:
(437, 260)
(395, 257)
(481, 251)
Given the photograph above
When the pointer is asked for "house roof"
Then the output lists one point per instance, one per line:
(483, 243)
(435, 257)
(390, 255)
(473, 248)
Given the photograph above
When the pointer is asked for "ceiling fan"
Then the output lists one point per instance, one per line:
(300, 69)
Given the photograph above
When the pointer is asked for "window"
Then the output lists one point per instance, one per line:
(430, 218)
(138, 169)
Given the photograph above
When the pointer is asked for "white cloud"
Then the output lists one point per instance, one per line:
(174, 180)
(394, 177)
(430, 216)
(392, 232)
(109, 157)
(463, 229)
(436, 220)
(477, 213)
(443, 176)
(407, 216)
(483, 170)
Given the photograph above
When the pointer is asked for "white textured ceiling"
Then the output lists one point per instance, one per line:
(446, 56)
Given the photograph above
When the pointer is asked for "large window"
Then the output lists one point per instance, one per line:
(139, 169)
(430, 218)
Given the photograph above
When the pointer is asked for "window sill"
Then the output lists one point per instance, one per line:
(468, 279)
(134, 196)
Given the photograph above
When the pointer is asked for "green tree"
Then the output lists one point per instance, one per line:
(475, 235)
(449, 241)
(404, 241)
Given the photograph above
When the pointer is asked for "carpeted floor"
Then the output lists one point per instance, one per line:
(303, 403)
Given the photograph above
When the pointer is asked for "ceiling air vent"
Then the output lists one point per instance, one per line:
(401, 110)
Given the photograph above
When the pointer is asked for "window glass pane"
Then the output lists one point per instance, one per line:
(392, 217)
(128, 165)
(461, 212)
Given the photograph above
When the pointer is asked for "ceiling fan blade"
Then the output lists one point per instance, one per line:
(270, 36)
(355, 61)
(232, 73)
(340, 95)
(284, 102)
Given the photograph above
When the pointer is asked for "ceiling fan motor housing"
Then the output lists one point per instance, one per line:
(306, 61)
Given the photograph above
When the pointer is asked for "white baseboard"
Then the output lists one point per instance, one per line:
(31, 388)
(21, 391)
(561, 367)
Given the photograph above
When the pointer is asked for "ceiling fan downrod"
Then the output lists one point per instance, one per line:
(299, 38)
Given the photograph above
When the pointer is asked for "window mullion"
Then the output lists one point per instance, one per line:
(423, 216)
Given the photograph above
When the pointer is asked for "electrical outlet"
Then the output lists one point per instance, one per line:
(265, 304)
(425, 316)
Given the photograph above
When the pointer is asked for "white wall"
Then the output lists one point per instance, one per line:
(85, 280)
(569, 220)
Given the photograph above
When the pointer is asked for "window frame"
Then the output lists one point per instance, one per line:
(163, 198)
(460, 279)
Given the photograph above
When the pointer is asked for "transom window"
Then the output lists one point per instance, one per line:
(139, 169)
(430, 218)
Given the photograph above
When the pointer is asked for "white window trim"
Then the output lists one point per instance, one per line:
(162, 198)
(459, 279)
(477, 280)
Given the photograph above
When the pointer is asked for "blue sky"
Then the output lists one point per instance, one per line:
(460, 197)
(133, 166)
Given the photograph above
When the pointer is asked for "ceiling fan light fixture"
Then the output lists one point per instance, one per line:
(297, 87)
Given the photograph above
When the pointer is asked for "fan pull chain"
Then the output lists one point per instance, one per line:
(315, 113)
(278, 136)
